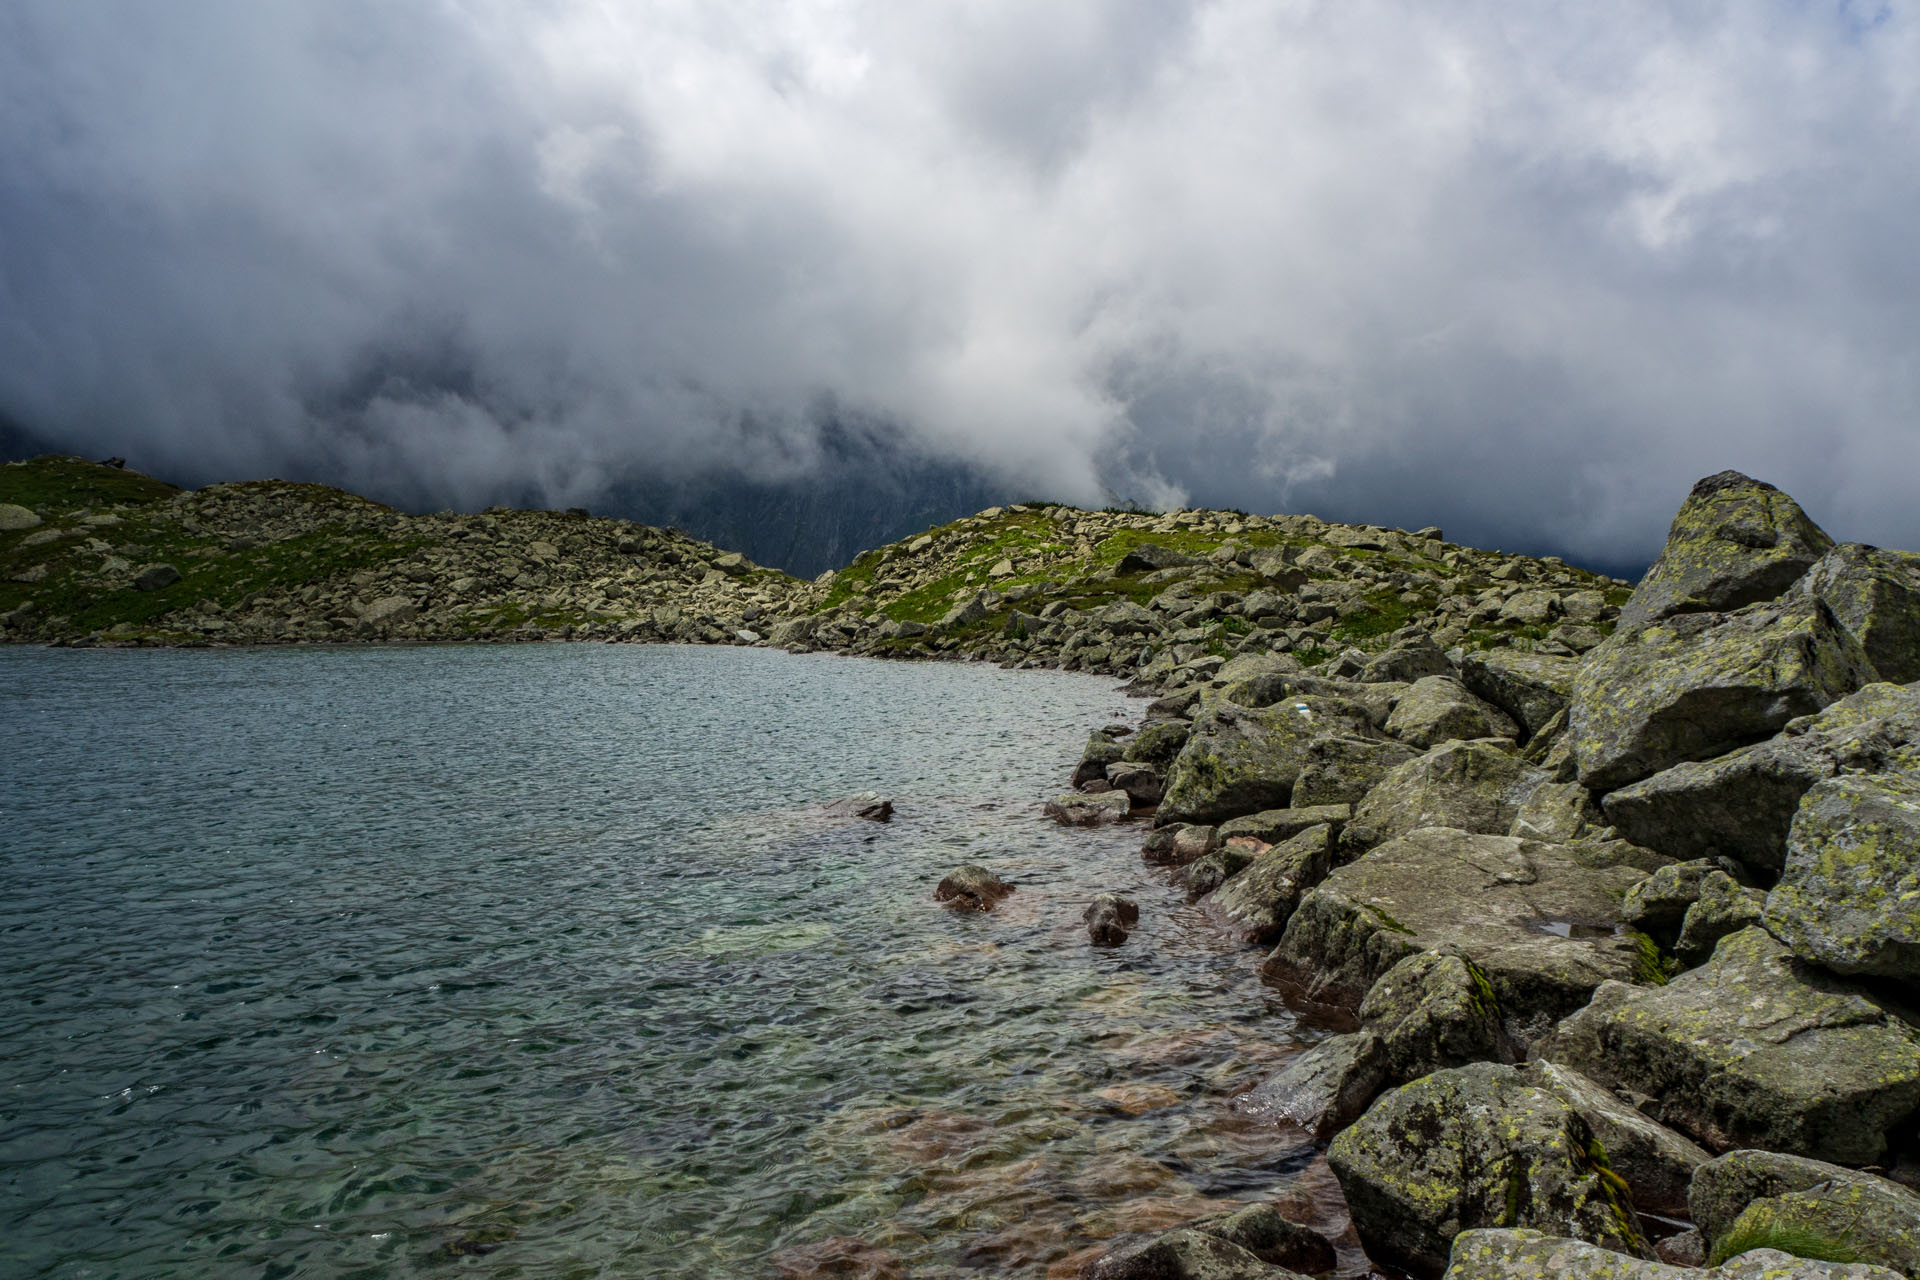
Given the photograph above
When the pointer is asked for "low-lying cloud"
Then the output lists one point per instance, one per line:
(1524, 272)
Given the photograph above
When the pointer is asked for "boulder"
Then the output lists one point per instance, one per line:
(1103, 749)
(1876, 596)
(1501, 1254)
(1559, 813)
(1150, 556)
(1341, 768)
(1221, 863)
(1469, 1147)
(1125, 618)
(1849, 897)
(1264, 1232)
(1078, 809)
(1157, 743)
(1144, 784)
(1658, 905)
(14, 517)
(1258, 901)
(1323, 1089)
(1656, 1163)
(870, 805)
(1183, 1254)
(1471, 786)
(1536, 918)
(1276, 826)
(390, 611)
(1435, 1010)
(1735, 541)
(1531, 687)
(1723, 907)
(1410, 660)
(1740, 805)
(1179, 844)
(966, 613)
(1109, 917)
(1243, 759)
(971, 888)
(1438, 709)
(1701, 684)
(1724, 1187)
(156, 577)
(1863, 1219)
(1754, 1048)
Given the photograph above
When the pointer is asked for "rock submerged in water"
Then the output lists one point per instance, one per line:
(1109, 917)
(971, 888)
(870, 805)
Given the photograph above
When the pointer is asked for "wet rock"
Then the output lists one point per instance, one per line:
(1701, 684)
(1471, 1147)
(1657, 1164)
(1876, 596)
(1109, 917)
(1536, 918)
(1741, 804)
(971, 888)
(1182, 1254)
(1471, 786)
(1323, 1090)
(1498, 1254)
(870, 805)
(1079, 809)
(1257, 902)
(1531, 687)
(1435, 1010)
(1243, 759)
(1849, 897)
(1268, 1235)
(1143, 783)
(1438, 709)
(842, 1257)
(1342, 768)
(156, 577)
(14, 517)
(1179, 844)
(1754, 1048)
(1735, 541)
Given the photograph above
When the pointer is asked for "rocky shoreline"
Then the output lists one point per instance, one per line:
(1616, 892)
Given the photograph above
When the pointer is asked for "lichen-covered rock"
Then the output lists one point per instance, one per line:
(1735, 541)
(1876, 596)
(1531, 687)
(1741, 804)
(1558, 813)
(1724, 1186)
(1103, 749)
(1179, 844)
(1157, 743)
(971, 888)
(1342, 768)
(1698, 685)
(1724, 907)
(1264, 1232)
(1078, 809)
(1656, 1163)
(1536, 918)
(1657, 906)
(1861, 1219)
(1183, 1254)
(1849, 897)
(1409, 660)
(14, 517)
(1143, 783)
(1436, 709)
(1275, 826)
(1469, 1147)
(1258, 901)
(1754, 1048)
(1242, 759)
(1220, 864)
(1324, 1089)
(1435, 1010)
(1501, 1254)
(1471, 786)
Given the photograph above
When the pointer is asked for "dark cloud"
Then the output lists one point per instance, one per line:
(1521, 272)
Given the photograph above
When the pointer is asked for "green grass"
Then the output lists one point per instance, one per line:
(49, 484)
(1384, 614)
(1801, 1242)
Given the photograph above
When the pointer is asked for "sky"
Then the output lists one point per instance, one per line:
(1523, 271)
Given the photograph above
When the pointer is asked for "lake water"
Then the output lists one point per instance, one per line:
(545, 961)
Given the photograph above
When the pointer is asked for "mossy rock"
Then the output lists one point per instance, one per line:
(1849, 897)
(1532, 1255)
(1259, 900)
(1863, 1219)
(1242, 759)
(1470, 786)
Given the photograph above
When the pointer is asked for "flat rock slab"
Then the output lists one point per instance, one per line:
(1538, 919)
(1754, 1049)
(1078, 809)
(1532, 1255)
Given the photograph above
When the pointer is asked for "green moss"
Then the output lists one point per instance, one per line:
(1801, 1242)
(1388, 920)
(1652, 967)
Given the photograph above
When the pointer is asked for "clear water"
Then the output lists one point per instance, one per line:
(545, 961)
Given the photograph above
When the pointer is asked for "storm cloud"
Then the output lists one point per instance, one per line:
(1523, 271)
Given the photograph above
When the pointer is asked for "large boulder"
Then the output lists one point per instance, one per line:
(1657, 1164)
(1503, 1254)
(1735, 541)
(1341, 768)
(1698, 685)
(1475, 1146)
(1079, 809)
(1157, 743)
(1559, 813)
(1849, 897)
(1876, 596)
(1103, 748)
(1323, 1089)
(1151, 556)
(1754, 1048)
(1724, 907)
(1435, 1010)
(1409, 660)
(1531, 687)
(1860, 1219)
(14, 517)
(1540, 920)
(1741, 804)
(1276, 826)
(1257, 902)
(1243, 759)
(1436, 709)
(1471, 786)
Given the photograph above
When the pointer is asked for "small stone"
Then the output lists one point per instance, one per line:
(971, 888)
(1109, 917)
(156, 577)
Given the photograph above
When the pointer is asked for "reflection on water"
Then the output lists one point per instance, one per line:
(376, 962)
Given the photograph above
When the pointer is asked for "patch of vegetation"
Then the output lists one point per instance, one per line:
(1652, 967)
(62, 484)
(1384, 614)
(1801, 1242)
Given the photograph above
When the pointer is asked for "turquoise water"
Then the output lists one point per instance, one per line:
(546, 961)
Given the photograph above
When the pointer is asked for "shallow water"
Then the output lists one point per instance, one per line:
(544, 960)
